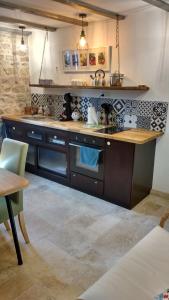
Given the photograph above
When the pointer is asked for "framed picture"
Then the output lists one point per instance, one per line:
(87, 60)
(67, 60)
(75, 59)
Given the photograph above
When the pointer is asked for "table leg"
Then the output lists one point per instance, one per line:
(14, 232)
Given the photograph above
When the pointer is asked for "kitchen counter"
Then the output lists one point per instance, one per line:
(136, 136)
(54, 153)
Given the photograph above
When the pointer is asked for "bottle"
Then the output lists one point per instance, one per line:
(46, 111)
(40, 110)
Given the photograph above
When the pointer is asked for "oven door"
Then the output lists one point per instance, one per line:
(82, 168)
(52, 160)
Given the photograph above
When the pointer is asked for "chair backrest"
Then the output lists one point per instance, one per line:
(13, 156)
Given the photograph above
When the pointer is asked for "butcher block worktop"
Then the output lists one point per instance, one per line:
(136, 136)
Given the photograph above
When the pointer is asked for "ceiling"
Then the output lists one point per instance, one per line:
(120, 6)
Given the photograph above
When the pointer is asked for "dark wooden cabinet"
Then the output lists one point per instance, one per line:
(125, 170)
(48, 149)
(87, 184)
(128, 172)
(15, 130)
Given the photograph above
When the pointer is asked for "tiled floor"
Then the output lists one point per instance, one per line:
(75, 238)
(153, 205)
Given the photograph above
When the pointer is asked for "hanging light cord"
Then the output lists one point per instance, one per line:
(118, 43)
(22, 40)
(82, 23)
(46, 38)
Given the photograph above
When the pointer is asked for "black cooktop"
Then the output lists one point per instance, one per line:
(111, 130)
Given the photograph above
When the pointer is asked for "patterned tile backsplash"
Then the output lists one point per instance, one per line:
(128, 113)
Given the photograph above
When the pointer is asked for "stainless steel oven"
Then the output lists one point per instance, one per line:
(76, 165)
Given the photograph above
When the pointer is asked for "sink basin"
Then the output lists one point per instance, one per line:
(37, 117)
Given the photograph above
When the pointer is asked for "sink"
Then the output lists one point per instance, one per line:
(38, 118)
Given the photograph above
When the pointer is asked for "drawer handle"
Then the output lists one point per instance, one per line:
(13, 128)
(108, 144)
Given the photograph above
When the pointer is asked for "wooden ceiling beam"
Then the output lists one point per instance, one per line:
(26, 23)
(41, 13)
(91, 8)
(159, 3)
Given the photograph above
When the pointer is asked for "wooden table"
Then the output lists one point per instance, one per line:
(11, 183)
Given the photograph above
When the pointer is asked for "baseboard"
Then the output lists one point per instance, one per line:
(160, 194)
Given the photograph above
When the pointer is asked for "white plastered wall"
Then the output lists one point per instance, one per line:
(144, 37)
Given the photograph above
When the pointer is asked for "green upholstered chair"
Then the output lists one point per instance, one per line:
(13, 158)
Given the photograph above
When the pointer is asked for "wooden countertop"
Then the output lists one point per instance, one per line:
(136, 136)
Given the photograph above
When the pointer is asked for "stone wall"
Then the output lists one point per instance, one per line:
(14, 74)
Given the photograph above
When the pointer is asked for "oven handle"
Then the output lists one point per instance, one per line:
(82, 145)
(74, 145)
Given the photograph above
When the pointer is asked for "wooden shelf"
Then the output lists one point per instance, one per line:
(108, 88)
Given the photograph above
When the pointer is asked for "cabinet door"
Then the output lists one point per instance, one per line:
(34, 134)
(87, 184)
(119, 159)
(15, 130)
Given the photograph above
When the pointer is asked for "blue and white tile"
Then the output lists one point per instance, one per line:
(143, 122)
(35, 100)
(130, 121)
(59, 98)
(76, 103)
(58, 109)
(160, 109)
(158, 124)
(119, 106)
(120, 121)
(131, 107)
(50, 100)
(100, 101)
(145, 109)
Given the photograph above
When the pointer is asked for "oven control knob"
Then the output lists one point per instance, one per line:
(74, 175)
(96, 182)
(108, 143)
(33, 132)
(13, 128)
(55, 137)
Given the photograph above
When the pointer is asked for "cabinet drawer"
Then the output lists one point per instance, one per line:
(55, 139)
(87, 139)
(34, 134)
(14, 130)
(87, 184)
